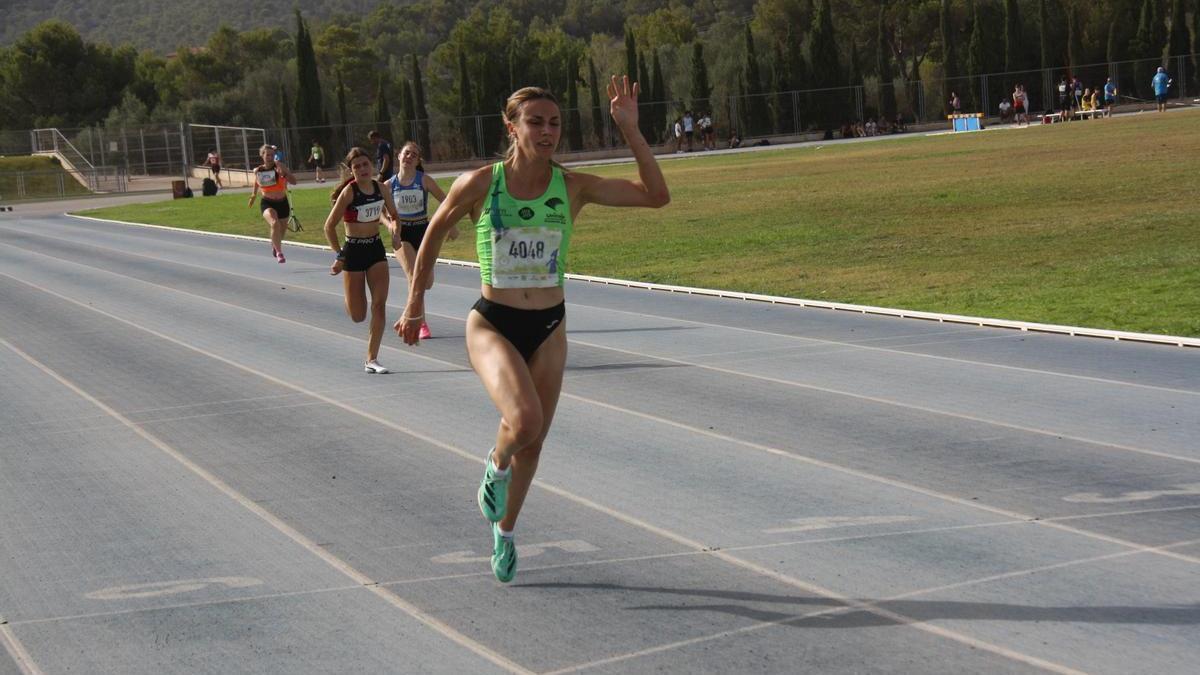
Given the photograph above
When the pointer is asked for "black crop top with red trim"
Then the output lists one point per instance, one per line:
(365, 208)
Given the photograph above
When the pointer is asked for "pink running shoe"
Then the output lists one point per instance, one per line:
(274, 253)
(279, 256)
(424, 334)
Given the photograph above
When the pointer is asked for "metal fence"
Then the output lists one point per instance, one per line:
(118, 156)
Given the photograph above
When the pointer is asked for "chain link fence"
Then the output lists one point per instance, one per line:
(117, 159)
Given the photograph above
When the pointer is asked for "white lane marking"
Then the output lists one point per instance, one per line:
(634, 413)
(527, 551)
(17, 651)
(727, 371)
(160, 588)
(846, 609)
(900, 404)
(830, 522)
(414, 611)
(270, 518)
(1139, 496)
(982, 364)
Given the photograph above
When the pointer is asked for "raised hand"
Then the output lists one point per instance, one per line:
(622, 104)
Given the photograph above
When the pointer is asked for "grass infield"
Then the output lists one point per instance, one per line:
(1087, 224)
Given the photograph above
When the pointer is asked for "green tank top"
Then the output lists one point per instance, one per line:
(523, 243)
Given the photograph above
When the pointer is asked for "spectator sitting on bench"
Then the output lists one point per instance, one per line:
(1005, 110)
(1085, 101)
(1096, 100)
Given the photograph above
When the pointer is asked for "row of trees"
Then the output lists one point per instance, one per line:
(400, 65)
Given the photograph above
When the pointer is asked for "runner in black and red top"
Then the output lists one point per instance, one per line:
(361, 203)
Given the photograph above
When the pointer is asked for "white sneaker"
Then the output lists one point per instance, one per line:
(374, 368)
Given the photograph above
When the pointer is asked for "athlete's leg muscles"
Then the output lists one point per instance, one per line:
(378, 280)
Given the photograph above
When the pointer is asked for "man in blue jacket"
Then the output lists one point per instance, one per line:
(1161, 83)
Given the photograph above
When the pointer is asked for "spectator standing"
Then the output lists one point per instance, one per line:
(708, 137)
(678, 135)
(214, 166)
(1110, 94)
(316, 159)
(1078, 88)
(955, 104)
(383, 156)
(1063, 94)
(1161, 84)
(689, 128)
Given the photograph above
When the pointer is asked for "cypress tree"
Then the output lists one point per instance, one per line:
(658, 96)
(466, 103)
(781, 102)
(645, 119)
(574, 123)
(883, 68)
(421, 113)
(976, 61)
(1177, 39)
(825, 68)
(855, 80)
(757, 112)
(1044, 35)
(408, 111)
(701, 89)
(631, 57)
(1074, 47)
(597, 112)
(309, 108)
(285, 109)
(341, 101)
(1013, 59)
(949, 65)
(382, 114)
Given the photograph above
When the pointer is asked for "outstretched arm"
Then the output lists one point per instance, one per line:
(651, 188)
(331, 222)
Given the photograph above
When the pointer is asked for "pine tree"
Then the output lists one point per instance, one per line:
(883, 68)
(701, 89)
(781, 102)
(1013, 59)
(574, 123)
(855, 80)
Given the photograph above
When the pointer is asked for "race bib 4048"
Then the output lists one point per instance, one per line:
(526, 257)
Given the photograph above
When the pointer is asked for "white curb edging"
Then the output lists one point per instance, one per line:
(1026, 326)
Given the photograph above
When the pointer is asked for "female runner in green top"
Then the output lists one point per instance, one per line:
(516, 337)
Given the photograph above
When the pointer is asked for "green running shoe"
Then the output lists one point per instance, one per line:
(504, 556)
(493, 493)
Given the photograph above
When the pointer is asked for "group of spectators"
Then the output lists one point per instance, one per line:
(1074, 95)
(686, 130)
(871, 127)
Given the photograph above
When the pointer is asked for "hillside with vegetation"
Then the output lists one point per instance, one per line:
(448, 61)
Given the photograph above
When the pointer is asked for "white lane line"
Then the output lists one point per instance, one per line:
(1187, 489)
(635, 413)
(277, 523)
(856, 345)
(600, 508)
(833, 611)
(704, 366)
(776, 545)
(17, 651)
(1023, 326)
(900, 404)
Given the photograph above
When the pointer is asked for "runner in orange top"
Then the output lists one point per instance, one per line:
(273, 177)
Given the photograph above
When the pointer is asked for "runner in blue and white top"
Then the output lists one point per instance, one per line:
(410, 190)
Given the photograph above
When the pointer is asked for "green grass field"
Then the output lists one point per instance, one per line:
(41, 179)
(1086, 224)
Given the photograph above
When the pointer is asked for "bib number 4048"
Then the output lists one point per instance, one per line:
(527, 249)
